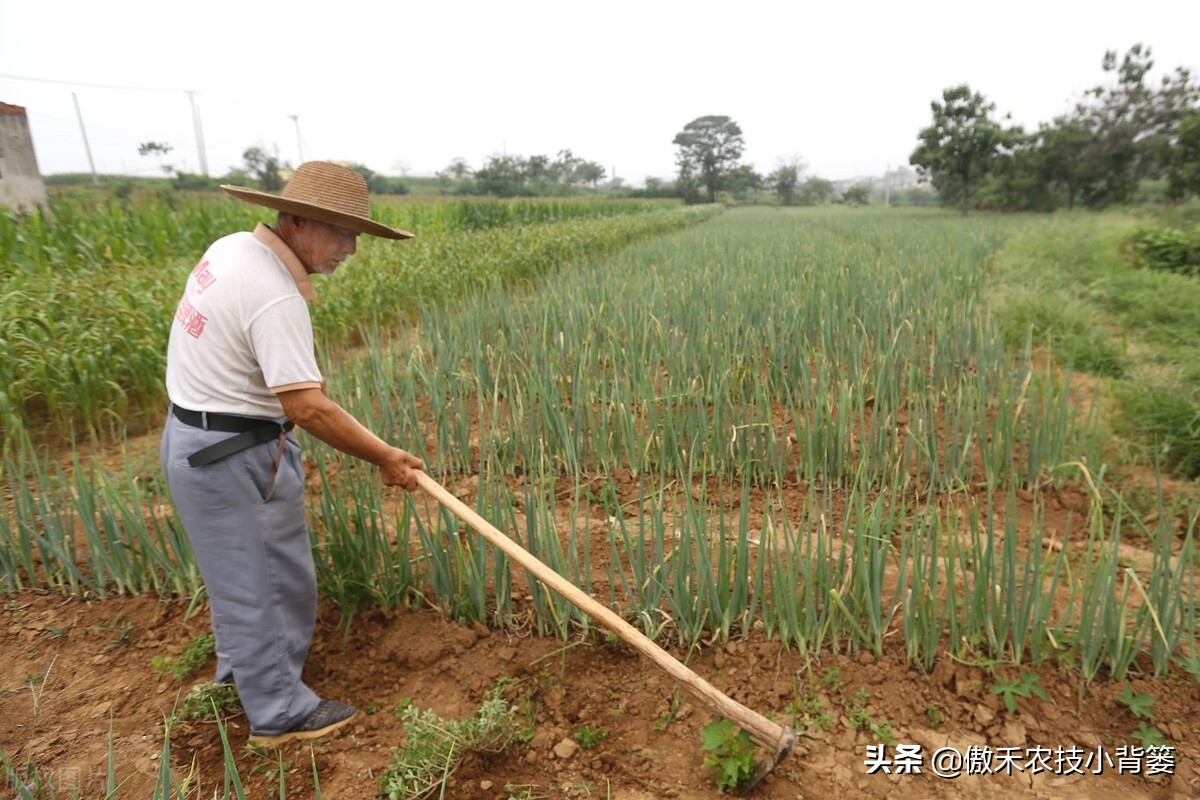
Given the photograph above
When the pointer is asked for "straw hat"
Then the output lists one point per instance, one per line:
(326, 192)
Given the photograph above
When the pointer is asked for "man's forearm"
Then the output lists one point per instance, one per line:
(332, 424)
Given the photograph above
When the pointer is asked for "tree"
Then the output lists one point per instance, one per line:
(380, 184)
(1118, 135)
(709, 150)
(590, 172)
(1183, 160)
(503, 175)
(459, 168)
(961, 144)
(1134, 126)
(538, 169)
(784, 181)
(657, 187)
(857, 196)
(1020, 180)
(565, 166)
(264, 169)
(742, 180)
(1063, 148)
(815, 191)
(160, 149)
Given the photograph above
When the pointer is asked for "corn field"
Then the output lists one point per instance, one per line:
(87, 289)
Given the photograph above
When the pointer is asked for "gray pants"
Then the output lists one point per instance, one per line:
(256, 561)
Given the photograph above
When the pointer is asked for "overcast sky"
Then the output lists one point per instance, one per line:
(406, 87)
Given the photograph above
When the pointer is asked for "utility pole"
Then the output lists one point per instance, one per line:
(199, 134)
(887, 185)
(87, 147)
(299, 142)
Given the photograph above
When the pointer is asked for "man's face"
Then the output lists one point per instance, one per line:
(321, 247)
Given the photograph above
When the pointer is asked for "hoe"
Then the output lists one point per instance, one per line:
(778, 739)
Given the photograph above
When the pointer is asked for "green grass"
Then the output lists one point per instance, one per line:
(1070, 283)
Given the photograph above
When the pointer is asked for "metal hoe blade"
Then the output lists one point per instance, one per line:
(764, 768)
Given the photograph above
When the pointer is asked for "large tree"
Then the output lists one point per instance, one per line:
(1063, 153)
(503, 175)
(1134, 124)
(590, 172)
(815, 191)
(961, 145)
(1183, 159)
(264, 168)
(709, 150)
(784, 181)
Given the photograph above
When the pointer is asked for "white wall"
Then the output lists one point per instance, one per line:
(21, 185)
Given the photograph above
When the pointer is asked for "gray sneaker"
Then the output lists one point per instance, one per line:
(327, 717)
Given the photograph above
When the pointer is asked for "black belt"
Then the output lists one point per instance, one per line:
(250, 431)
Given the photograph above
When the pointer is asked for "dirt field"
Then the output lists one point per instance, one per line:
(66, 671)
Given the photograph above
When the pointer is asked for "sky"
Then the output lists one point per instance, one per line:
(404, 87)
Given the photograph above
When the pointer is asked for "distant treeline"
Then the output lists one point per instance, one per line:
(1123, 142)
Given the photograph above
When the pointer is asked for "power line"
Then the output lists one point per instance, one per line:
(254, 106)
(196, 124)
(192, 102)
(90, 85)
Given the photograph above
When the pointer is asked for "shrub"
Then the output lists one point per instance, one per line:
(1166, 248)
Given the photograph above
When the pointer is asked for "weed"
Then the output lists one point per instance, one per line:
(858, 708)
(434, 745)
(588, 737)
(732, 753)
(1191, 666)
(883, 732)
(934, 716)
(275, 775)
(809, 711)
(37, 687)
(193, 657)
(120, 628)
(208, 701)
(663, 722)
(1149, 736)
(863, 721)
(1024, 686)
(1138, 704)
(55, 632)
(833, 680)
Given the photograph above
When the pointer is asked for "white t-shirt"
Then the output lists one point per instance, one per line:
(242, 331)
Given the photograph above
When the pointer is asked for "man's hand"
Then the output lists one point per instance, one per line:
(400, 469)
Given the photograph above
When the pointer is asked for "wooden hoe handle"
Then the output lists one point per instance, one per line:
(761, 729)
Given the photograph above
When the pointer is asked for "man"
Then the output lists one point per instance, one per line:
(240, 373)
